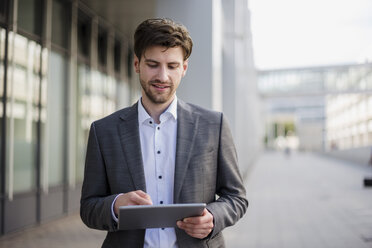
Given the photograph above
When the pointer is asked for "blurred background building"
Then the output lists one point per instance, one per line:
(66, 63)
(321, 109)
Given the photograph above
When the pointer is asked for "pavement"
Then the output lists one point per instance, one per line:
(66, 232)
(302, 201)
(297, 201)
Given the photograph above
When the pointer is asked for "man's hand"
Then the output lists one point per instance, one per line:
(197, 227)
(137, 197)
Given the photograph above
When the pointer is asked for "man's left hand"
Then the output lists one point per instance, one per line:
(197, 227)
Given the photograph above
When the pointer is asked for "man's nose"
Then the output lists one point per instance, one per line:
(163, 75)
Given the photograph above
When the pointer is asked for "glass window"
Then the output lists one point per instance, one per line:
(96, 98)
(60, 23)
(3, 10)
(2, 56)
(130, 60)
(30, 16)
(102, 46)
(53, 121)
(117, 56)
(82, 124)
(84, 30)
(23, 115)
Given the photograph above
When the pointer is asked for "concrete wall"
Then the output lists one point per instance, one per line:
(221, 74)
(240, 96)
(196, 15)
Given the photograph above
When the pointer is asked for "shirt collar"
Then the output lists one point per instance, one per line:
(144, 116)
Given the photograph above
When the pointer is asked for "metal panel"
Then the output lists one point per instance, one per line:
(52, 204)
(20, 212)
(74, 199)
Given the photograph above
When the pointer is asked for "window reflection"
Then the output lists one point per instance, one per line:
(96, 99)
(22, 112)
(2, 54)
(348, 123)
(31, 13)
(52, 121)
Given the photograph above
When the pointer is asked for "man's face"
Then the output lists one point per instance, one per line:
(160, 72)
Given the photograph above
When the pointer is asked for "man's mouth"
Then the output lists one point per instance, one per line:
(159, 86)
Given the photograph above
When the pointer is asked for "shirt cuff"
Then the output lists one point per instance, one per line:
(112, 209)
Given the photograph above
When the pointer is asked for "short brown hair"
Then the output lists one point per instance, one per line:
(161, 32)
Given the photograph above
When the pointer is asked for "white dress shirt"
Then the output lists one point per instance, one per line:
(158, 146)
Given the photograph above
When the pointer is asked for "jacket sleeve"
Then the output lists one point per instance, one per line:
(96, 198)
(232, 203)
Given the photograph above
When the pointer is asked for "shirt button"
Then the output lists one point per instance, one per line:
(158, 152)
(162, 228)
(158, 128)
(150, 122)
(160, 177)
(161, 202)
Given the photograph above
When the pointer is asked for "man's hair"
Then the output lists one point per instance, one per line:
(161, 32)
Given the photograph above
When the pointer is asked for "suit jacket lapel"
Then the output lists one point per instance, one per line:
(130, 142)
(187, 125)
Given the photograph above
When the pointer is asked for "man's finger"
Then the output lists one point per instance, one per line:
(141, 193)
(197, 227)
(198, 234)
(189, 226)
(140, 199)
(206, 217)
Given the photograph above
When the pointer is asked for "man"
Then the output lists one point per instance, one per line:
(162, 150)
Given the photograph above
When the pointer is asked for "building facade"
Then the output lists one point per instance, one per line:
(330, 107)
(66, 63)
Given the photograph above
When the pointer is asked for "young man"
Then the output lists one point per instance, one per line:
(162, 150)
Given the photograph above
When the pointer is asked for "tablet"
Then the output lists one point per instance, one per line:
(155, 216)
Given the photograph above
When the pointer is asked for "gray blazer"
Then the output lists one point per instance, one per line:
(206, 167)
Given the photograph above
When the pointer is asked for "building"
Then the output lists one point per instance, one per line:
(66, 63)
(294, 100)
(330, 107)
(349, 115)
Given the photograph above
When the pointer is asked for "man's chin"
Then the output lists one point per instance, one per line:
(162, 101)
(159, 99)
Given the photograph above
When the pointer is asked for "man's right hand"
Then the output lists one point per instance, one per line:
(137, 197)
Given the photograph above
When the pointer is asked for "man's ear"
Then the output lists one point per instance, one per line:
(185, 66)
(136, 63)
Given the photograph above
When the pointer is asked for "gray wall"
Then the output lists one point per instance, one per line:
(197, 17)
(240, 95)
(221, 73)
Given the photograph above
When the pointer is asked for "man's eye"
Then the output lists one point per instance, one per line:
(172, 66)
(152, 65)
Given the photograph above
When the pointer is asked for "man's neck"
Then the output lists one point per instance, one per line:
(155, 109)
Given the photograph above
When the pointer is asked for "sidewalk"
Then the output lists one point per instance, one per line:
(67, 232)
(305, 201)
(300, 201)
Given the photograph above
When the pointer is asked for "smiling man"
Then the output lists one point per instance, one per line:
(162, 150)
